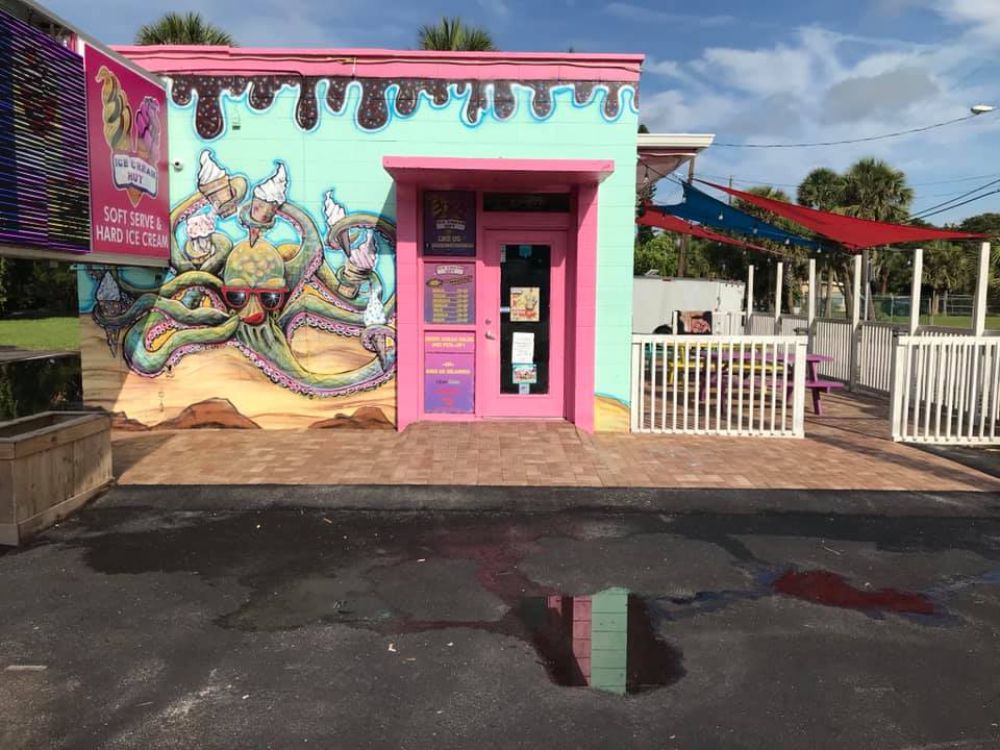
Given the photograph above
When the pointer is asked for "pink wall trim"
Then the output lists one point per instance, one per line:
(383, 63)
(585, 307)
(408, 309)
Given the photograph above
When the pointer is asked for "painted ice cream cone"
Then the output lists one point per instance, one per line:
(269, 196)
(200, 229)
(375, 316)
(216, 185)
(359, 266)
(116, 112)
(109, 297)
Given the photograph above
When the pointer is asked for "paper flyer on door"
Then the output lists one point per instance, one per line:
(524, 304)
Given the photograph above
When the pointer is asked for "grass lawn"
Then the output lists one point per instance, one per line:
(949, 321)
(41, 333)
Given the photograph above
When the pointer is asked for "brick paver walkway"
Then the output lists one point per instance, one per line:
(847, 449)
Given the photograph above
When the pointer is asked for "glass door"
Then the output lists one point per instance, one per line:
(522, 325)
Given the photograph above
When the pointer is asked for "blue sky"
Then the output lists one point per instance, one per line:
(770, 71)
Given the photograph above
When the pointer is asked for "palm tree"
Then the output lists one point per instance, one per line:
(450, 34)
(186, 28)
(822, 189)
(874, 190)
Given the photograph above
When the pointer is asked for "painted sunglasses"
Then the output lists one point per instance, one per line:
(238, 297)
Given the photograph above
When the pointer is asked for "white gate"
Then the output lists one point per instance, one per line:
(718, 385)
(946, 389)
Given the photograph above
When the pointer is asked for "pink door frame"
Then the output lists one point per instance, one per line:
(414, 174)
(490, 403)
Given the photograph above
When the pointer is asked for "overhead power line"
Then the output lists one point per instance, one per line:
(963, 203)
(932, 209)
(868, 139)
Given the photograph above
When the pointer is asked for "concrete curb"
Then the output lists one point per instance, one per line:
(550, 499)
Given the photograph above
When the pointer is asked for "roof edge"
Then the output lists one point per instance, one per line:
(658, 141)
(385, 63)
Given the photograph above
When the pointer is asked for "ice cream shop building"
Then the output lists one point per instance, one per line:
(376, 238)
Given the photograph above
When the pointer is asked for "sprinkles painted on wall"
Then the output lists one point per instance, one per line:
(374, 109)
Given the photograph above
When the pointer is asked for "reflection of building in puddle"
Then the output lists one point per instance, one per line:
(605, 641)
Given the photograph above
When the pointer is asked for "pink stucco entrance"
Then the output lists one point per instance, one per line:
(526, 348)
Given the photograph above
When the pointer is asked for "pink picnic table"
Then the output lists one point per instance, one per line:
(814, 383)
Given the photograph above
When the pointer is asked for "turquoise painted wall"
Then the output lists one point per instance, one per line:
(338, 154)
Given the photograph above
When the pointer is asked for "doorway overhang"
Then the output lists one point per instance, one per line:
(445, 172)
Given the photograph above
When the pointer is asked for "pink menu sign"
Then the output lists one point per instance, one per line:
(127, 141)
(449, 372)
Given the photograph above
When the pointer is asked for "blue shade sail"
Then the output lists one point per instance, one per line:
(708, 211)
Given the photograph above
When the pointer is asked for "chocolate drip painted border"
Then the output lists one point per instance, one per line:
(373, 110)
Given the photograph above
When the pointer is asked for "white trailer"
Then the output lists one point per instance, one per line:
(658, 301)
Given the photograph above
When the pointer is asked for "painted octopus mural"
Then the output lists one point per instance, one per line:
(252, 293)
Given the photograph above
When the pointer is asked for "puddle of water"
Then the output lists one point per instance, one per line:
(605, 641)
(832, 590)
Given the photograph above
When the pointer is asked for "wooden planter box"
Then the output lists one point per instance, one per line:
(50, 465)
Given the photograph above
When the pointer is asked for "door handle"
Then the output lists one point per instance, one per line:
(490, 336)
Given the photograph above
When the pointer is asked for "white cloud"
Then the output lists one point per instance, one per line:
(875, 97)
(819, 86)
(642, 14)
(498, 7)
(669, 68)
(981, 16)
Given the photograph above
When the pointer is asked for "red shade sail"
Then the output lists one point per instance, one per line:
(673, 224)
(854, 234)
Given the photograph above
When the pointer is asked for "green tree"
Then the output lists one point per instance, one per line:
(451, 34)
(988, 223)
(795, 258)
(822, 189)
(948, 268)
(658, 254)
(183, 28)
(875, 190)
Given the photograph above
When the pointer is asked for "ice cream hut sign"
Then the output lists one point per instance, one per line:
(126, 133)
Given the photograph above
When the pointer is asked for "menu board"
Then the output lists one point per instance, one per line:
(449, 373)
(127, 135)
(450, 223)
(449, 293)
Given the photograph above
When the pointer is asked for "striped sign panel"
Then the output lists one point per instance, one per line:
(44, 175)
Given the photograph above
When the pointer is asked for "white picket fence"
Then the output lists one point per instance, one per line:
(788, 324)
(874, 356)
(834, 337)
(718, 385)
(760, 324)
(946, 390)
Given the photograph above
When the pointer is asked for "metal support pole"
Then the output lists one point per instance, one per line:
(856, 291)
(811, 308)
(982, 288)
(746, 324)
(855, 322)
(915, 283)
(867, 282)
